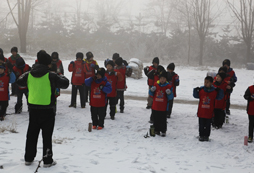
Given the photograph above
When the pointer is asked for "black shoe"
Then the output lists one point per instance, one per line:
(148, 107)
(112, 118)
(163, 134)
(73, 106)
(168, 116)
(121, 111)
(201, 138)
(151, 122)
(1, 118)
(157, 133)
(228, 112)
(250, 139)
(206, 138)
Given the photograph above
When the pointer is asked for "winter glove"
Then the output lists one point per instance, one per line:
(153, 88)
(168, 91)
(101, 87)
(92, 65)
(72, 62)
(197, 89)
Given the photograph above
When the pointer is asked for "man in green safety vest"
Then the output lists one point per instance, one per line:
(41, 84)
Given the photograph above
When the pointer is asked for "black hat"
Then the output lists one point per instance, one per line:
(119, 61)
(163, 74)
(224, 69)
(55, 54)
(171, 66)
(79, 55)
(156, 60)
(160, 69)
(125, 62)
(14, 49)
(44, 58)
(210, 78)
(2, 55)
(222, 75)
(110, 62)
(101, 71)
(226, 62)
(41, 51)
(115, 56)
(1, 51)
(89, 55)
(20, 62)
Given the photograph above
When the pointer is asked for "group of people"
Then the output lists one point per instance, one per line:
(41, 85)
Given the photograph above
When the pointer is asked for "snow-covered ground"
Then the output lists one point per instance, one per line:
(121, 147)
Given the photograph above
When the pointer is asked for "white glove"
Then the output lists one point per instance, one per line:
(168, 91)
(153, 88)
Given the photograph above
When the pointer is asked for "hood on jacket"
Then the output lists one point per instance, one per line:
(39, 70)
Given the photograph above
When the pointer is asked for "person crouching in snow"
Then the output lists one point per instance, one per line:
(207, 95)
(249, 95)
(100, 87)
(162, 93)
(220, 105)
(5, 79)
(113, 78)
(174, 81)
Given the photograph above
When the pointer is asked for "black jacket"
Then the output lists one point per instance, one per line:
(56, 81)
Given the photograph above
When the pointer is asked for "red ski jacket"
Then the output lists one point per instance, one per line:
(78, 72)
(221, 104)
(249, 94)
(113, 78)
(4, 87)
(121, 86)
(18, 72)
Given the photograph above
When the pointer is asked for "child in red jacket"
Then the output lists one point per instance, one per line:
(58, 62)
(162, 93)
(5, 79)
(20, 68)
(249, 95)
(150, 79)
(207, 96)
(113, 78)
(173, 80)
(5, 62)
(100, 87)
(78, 77)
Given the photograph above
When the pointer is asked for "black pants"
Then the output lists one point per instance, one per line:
(40, 119)
(204, 127)
(170, 106)
(152, 116)
(87, 92)
(228, 103)
(98, 116)
(20, 93)
(14, 88)
(160, 121)
(120, 95)
(219, 117)
(3, 107)
(251, 125)
(74, 91)
(112, 106)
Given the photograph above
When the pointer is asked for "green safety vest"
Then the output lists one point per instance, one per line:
(39, 90)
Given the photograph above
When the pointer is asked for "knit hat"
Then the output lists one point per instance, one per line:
(156, 60)
(20, 63)
(89, 55)
(55, 55)
(14, 49)
(226, 62)
(160, 69)
(163, 74)
(209, 78)
(110, 62)
(224, 69)
(44, 58)
(119, 61)
(115, 56)
(222, 75)
(80, 55)
(101, 71)
(171, 66)
(1, 51)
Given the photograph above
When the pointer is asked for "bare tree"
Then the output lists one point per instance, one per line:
(22, 20)
(245, 15)
(201, 11)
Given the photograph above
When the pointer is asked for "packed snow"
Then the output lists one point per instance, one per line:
(121, 146)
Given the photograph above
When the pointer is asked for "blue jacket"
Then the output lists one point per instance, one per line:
(106, 89)
(219, 96)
